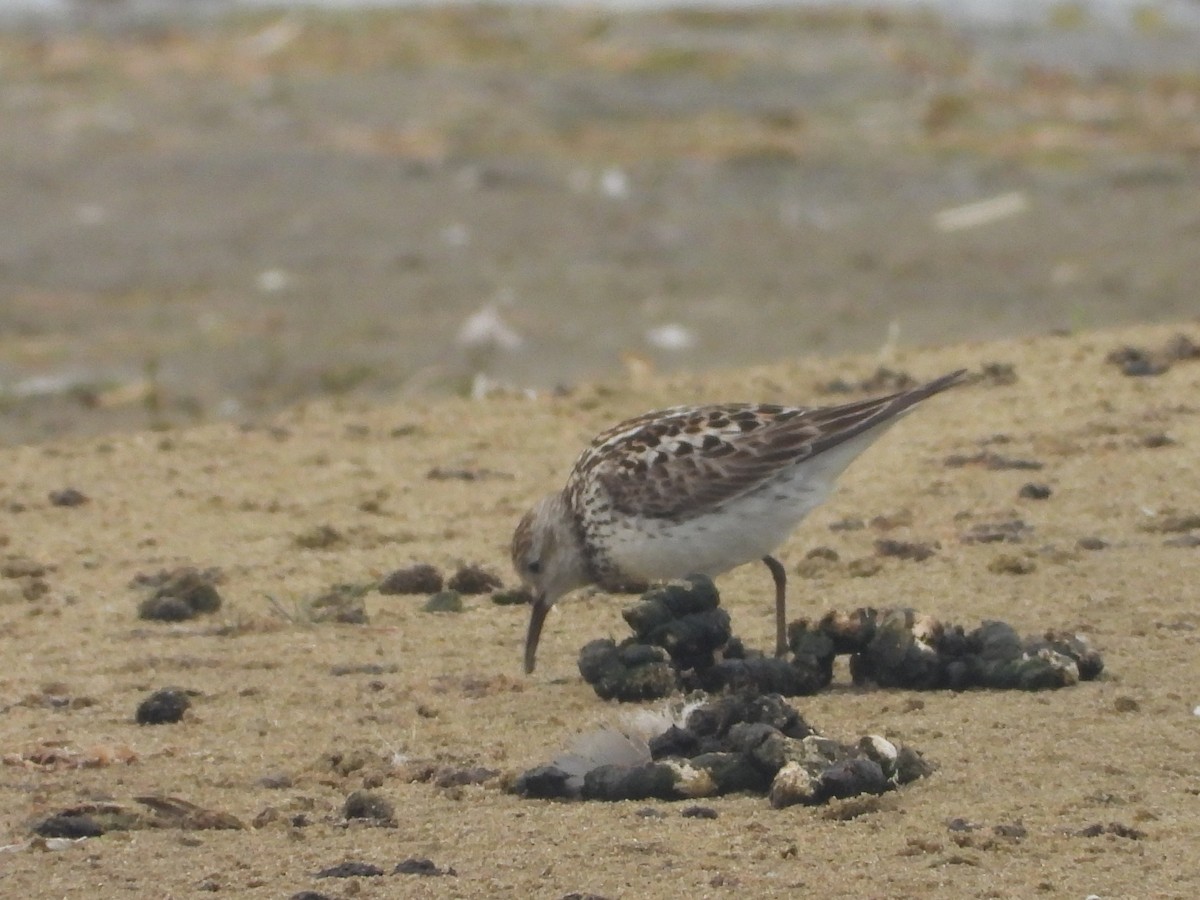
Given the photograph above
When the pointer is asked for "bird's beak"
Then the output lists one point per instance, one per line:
(537, 616)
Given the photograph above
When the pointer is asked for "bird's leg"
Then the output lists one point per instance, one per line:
(780, 576)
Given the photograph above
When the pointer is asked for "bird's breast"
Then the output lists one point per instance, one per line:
(740, 531)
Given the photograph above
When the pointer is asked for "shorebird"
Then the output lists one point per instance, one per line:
(694, 490)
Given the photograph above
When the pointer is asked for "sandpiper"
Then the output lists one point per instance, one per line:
(694, 490)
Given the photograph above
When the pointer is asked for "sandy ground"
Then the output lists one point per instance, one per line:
(218, 218)
(1119, 453)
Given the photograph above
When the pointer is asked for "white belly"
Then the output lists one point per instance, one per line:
(744, 531)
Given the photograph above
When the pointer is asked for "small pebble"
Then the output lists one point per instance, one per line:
(1034, 491)
(163, 707)
(474, 580)
(68, 826)
(421, 578)
(421, 866)
(180, 594)
(369, 805)
(68, 497)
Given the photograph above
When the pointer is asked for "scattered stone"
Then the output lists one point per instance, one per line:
(913, 550)
(683, 617)
(89, 820)
(371, 806)
(1141, 362)
(1124, 704)
(1012, 830)
(421, 578)
(166, 609)
(699, 812)
(350, 870)
(1034, 491)
(444, 602)
(1156, 440)
(421, 866)
(1136, 362)
(65, 825)
(1180, 348)
(275, 781)
(163, 707)
(180, 594)
(681, 644)
(310, 895)
(630, 672)
(1087, 659)
(474, 580)
(544, 783)
(1091, 543)
(68, 497)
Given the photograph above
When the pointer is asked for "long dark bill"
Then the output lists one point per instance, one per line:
(537, 617)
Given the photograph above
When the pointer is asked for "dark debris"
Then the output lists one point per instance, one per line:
(681, 643)
(163, 707)
(179, 594)
(474, 580)
(734, 743)
(421, 578)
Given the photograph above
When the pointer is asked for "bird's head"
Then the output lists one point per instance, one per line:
(549, 560)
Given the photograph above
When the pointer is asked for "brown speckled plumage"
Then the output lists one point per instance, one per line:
(694, 489)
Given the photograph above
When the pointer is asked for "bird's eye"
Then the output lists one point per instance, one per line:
(533, 567)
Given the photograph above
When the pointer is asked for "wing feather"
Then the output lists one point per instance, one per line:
(686, 461)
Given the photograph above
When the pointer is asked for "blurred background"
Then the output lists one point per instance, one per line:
(215, 209)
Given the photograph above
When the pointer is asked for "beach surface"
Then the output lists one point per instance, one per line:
(1087, 790)
(216, 217)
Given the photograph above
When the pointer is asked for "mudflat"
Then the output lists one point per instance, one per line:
(213, 218)
(1091, 789)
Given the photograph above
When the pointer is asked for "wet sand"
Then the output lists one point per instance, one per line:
(218, 218)
(1032, 771)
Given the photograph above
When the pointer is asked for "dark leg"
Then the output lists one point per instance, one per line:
(780, 576)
